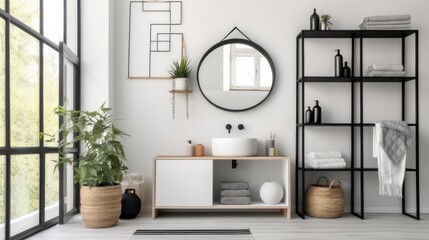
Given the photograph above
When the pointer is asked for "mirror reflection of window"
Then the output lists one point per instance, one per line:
(248, 69)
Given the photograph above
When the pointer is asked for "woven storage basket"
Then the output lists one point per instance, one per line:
(324, 201)
(100, 206)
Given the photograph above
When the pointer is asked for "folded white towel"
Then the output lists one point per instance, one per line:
(323, 155)
(386, 67)
(324, 160)
(326, 165)
(385, 74)
(387, 18)
(385, 27)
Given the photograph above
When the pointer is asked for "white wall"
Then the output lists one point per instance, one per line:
(97, 54)
(144, 110)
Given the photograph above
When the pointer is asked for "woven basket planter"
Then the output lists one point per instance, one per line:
(100, 207)
(324, 201)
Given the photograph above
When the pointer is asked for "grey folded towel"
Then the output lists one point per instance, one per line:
(235, 200)
(234, 185)
(387, 18)
(408, 22)
(385, 27)
(234, 193)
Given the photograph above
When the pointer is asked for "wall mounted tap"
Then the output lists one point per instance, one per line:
(240, 126)
(228, 127)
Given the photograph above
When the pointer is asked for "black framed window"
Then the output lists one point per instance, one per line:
(34, 194)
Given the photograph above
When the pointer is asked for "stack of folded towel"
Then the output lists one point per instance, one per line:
(387, 22)
(329, 159)
(386, 70)
(234, 193)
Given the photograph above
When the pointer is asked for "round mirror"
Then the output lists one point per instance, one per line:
(236, 75)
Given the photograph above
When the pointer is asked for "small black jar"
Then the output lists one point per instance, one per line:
(131, 204)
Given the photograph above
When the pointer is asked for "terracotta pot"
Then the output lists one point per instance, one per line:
(100, 207)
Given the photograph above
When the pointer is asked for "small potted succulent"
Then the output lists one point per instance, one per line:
(325, 24)
(180, 72)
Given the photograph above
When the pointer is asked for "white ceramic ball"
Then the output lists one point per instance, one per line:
(271, 192)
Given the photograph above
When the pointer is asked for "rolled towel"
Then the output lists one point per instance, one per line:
(323, 155)
(386, 74)
(386, 67)
(235, 200)
(234, 185)
(234, 193)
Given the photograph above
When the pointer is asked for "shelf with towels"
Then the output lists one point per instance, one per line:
(356, 167)
(327, 79)
(186, 183)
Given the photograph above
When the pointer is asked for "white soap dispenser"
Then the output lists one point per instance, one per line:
(189, 148)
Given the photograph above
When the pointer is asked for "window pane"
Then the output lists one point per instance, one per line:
(70, 186)
(2, 85)
(2, 7)
(53, 20)
(245, 71)
(50, 89)
(266, 73)
(26, 11)
(2, 194)
(24, 192)
(24, 60)
(51, 187)
(72, 25)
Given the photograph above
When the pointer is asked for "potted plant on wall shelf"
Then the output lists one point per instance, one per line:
(101, 165)
(325, 24)
(180, 72)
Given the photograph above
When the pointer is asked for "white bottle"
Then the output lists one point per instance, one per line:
(189, 148)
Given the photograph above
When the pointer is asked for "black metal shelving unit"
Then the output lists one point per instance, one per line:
(358, 126)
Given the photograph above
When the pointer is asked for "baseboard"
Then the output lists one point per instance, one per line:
(148, 209)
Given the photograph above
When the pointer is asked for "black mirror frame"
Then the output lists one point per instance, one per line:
(241, 41)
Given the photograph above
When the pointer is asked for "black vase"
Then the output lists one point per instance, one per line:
(314, 21)
(131, 204)
(317, 112)
(309, 118)
(346, 70)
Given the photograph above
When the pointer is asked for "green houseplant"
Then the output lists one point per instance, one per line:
(180, 72)
(325, 23)
(101, 165)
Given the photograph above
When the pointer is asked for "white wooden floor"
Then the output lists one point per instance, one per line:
(264, 226)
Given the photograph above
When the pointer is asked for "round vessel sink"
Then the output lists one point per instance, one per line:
(234, 147)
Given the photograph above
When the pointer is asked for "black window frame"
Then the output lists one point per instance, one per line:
(41, 150)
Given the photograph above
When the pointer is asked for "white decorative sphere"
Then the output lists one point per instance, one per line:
(271, 192)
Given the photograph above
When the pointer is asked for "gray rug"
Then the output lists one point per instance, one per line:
(167, 234)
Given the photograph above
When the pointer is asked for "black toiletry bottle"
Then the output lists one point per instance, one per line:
(309, 118)
(346, 70)
(317, 112)
(338, 64)
(314, 21)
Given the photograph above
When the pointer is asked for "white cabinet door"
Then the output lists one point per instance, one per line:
(184, 183)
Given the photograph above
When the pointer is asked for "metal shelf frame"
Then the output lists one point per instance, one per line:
(355, 81)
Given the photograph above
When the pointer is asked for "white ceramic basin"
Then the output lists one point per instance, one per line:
(234, 147)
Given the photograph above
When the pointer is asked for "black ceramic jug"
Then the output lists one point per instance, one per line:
(131, 204)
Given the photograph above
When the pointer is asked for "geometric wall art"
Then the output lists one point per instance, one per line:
(154, 41)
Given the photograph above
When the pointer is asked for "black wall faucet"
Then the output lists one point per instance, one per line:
(228, 127)
(240, 126)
